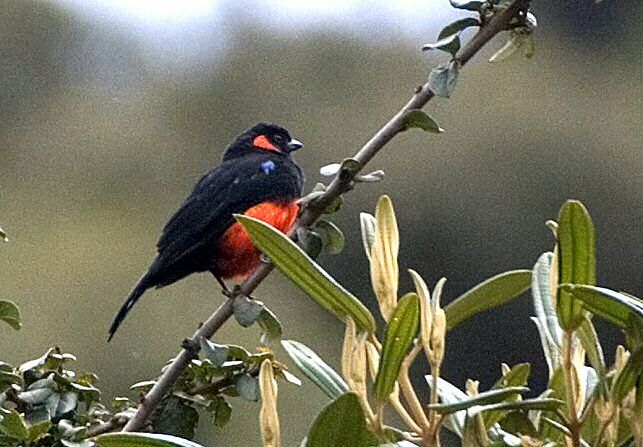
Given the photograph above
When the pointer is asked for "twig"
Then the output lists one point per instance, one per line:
(570, 389)
(339, 185)
(409, 393)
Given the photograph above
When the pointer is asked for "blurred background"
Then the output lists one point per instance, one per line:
(111, 109)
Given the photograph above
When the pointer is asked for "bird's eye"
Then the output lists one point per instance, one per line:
(278, 139)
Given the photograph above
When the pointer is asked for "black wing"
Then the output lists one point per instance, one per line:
(189, 238)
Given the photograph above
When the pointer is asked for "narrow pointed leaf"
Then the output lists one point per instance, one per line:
(449, 44)
(315, 369)
(546, 404)
(341, 424)
(384, 266)
(400, 332)
(122, 439)
(489, 294)
(10, 314)
(306, 273)
(577, 261)
(367, 224)
(457, 26)
(629, 375)
(543, 305)
(589, 339)
(417, 118)
(612, 306)
(488, 397)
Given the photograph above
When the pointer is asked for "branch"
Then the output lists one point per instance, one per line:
(340, 184)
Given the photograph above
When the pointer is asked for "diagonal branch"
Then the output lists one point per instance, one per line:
(340, 184)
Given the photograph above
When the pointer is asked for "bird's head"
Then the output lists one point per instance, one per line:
(262, 138)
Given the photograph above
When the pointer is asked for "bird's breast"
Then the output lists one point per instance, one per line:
(237, 256)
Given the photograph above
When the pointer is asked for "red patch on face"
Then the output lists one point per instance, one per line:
(262, 142)
(237, 256)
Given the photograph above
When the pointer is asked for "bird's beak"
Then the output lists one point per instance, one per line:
(293, 145)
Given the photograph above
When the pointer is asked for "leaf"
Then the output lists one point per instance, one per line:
(330, 170)
(310, 241)
(246, 311)
(615, 307)
(449, 393)
(307, 274)
(217, 354)
(38, 430)
(341, 424)
(457, 26)
(10, 314)
(487, 397)
(544, 404)
(469, 5)
(248, 387)
(629, 375)
(31, 364)
(515, 377)
(371, 177)
(491, 293)
(384, 252)
(417, 118)
(35, 397)
(271, 328)
(220, 410)
(332, 237)
(315, 368)
(122, 439)
(515, 41)
(400, 332)
(589, 339)
(577, 260)
(174, 416)
(367, 225)
(3, 235)
(449, 44)
(442, 79)
(13, 425)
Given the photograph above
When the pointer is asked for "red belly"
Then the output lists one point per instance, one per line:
(237, 256)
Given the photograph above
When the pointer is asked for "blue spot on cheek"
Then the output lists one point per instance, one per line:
(268, 166)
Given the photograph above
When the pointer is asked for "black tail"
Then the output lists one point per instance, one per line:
(133, 297)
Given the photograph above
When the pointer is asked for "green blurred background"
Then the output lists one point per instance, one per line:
(108, 116)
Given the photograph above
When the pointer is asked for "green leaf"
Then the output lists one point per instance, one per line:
(176, 417)
(469, 5)
(367, 224)
(271, 328)
(307, 274)
(489, 294)
(516, 377)
(35, 397)
(400, 332)
(629, 375)
(32, 364)
(217, 354)
(39, 430)
(332, 237)
(13, 425)
(515, 41)
(457, 26)
(417, 118)
(449, 44)
(589, 339)
(544, 404)
(122, 439)
(442, 79)
(310, 241)
(220, 410)
(315, 368)
(615, 307)
(487, 397)
(10, 314)
(248, 387)
(246, 311)
(341, 424)
(577, 260)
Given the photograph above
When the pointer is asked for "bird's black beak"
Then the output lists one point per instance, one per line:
(293, 145)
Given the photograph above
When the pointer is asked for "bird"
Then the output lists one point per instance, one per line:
(257, 177)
